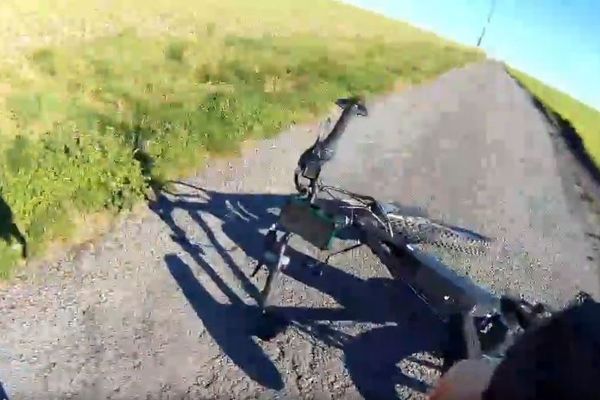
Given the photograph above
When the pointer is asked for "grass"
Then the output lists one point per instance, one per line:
(585, 119)
(34, 23)
(110, 96)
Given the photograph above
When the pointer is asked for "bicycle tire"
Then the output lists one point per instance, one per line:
(461, 342)
(421, 230)
(266, 290)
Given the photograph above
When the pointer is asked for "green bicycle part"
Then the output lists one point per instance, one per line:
(309, 221)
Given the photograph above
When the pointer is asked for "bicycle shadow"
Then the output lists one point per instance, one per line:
(3, 395)
(9, 230)
(370, 357)
(230, 325)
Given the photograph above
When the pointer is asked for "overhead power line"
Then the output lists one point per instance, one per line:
(489, 18)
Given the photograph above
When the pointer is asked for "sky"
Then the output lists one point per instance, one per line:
(557, 41)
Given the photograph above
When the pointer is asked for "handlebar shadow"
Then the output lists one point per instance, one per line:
(370, 356)
(3, 395)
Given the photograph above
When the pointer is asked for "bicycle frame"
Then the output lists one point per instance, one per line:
(469, 310)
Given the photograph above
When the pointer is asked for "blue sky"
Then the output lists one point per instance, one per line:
(557, 41)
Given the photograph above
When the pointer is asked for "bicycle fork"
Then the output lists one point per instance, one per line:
(274, 259)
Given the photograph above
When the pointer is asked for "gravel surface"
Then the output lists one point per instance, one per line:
(163, 306)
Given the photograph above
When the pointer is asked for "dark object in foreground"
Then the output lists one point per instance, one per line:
(269, 325)
(559, 359)
(9, 230)
(3, 395)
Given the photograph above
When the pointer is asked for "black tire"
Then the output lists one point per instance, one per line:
(266, 290)
(462, 341)
(421, 230)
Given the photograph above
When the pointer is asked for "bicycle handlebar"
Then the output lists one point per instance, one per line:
(323, 150)
(350, 108)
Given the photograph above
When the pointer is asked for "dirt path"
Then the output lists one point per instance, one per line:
(163, 306)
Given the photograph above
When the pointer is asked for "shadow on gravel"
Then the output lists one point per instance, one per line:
(229, 325)
(371, 357)
(567, 133)
(9, 230)
(3, 395)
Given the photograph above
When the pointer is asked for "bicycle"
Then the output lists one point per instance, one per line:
(479, 324)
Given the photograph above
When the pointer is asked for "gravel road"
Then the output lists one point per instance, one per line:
(163, 306)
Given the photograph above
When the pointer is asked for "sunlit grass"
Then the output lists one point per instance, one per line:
(26, 23)
(584, 119)
(109, 95)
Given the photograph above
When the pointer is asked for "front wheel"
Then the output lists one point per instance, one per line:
(264, 294)
(421, 230)
(269, 324)
(461, 341)
(274, 271)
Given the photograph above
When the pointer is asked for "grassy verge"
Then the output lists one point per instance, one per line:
(583, 118)
(84, 126)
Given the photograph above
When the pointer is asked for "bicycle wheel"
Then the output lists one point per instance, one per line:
(274, 271)
(264, 294)
(421, 230)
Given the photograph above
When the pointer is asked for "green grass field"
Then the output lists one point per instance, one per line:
(99, 97)
(584, 119)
